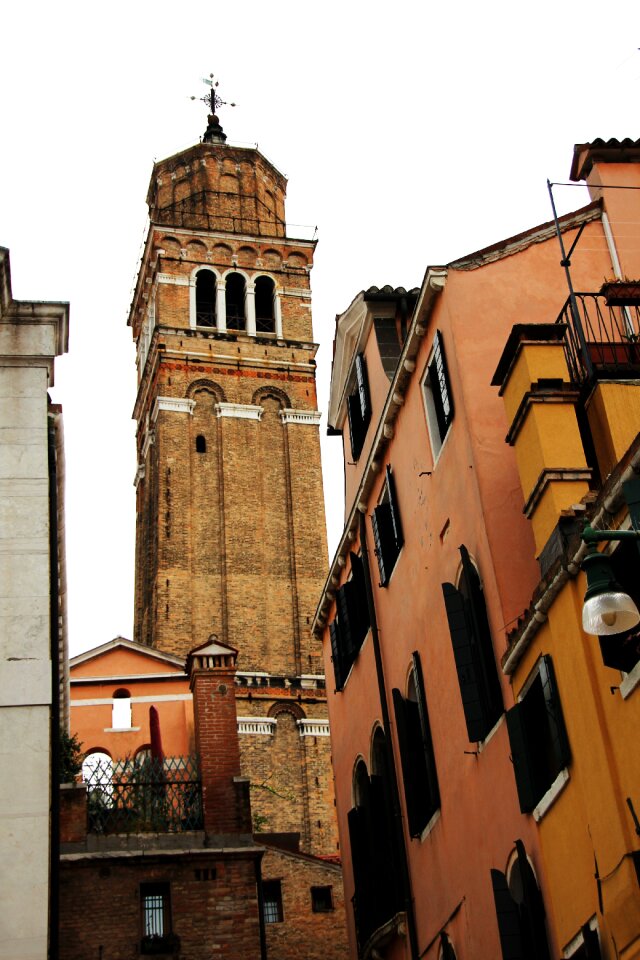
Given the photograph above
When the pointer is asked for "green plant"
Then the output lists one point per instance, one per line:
(70, 757)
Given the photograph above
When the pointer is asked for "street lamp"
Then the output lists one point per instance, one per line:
(607, 608)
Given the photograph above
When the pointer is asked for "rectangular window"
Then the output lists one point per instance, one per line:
(438, 398)
(359, 408)
(416, 752)
(321, 899)
(351, 625)
(473, 651)
(272, 901)
(387, 530)
(156, 919)
(538, 738)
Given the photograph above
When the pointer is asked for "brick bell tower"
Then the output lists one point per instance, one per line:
(230, 517)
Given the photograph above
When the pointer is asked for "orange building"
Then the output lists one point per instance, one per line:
(437, 562)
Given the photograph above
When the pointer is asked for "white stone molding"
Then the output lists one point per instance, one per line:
(240, 411)
(140, 472)
(177, 281)
(313, 728)
(277, 309)
(260, 726)
(172, 404)
(300, 416)
(149, 438)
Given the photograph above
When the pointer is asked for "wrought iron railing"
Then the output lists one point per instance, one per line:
(217, 210)
(146, 795)
(601, 340)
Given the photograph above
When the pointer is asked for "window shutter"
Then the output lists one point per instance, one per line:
(532, 910)
(409, 764)
(382, 536)
(360, 596)
(356, 431)
(363, 389)
(441, 385)
(427, 742)
(557, 729)
(394, 511)
(621, 651)
(508, 919)
(465, 659)
(386, 875)
(484, 655)
(446, 949)
(525, 779)
(334, 635)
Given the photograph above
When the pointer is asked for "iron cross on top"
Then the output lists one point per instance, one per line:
(211, 98)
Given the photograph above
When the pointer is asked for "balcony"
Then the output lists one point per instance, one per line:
(602, 339)
(144, 795)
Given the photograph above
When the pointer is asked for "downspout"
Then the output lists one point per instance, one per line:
(263, 934)
(54, 806)
(395, 796)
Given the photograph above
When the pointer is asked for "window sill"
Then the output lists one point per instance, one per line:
(482, 745)
(121, 729)
(551, 795)
(430, 826)
(630, 682)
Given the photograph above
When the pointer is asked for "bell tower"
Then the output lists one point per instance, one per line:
(230, 517)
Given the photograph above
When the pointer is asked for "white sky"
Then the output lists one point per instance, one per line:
(410, 133)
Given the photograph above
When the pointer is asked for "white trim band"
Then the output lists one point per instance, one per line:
(300, 416)
(313, 728)
(176, 281)
(239, 411)
(262, 726)
(173, 404)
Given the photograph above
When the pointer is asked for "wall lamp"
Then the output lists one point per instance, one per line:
(607, 608)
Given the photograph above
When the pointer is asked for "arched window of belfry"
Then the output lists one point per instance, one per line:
(205, 298)
(265, 305)
(235, 297)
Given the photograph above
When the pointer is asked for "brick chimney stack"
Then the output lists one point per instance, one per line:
(225, 794)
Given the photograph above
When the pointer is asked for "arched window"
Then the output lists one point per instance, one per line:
(235, 297)
(121, 712)
(205, 299)
(265, 305)
(201, 444)
(520, 908)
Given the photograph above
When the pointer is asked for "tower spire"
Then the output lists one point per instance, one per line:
(214, 132)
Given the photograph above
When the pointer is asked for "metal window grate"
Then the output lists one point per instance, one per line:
(272, 901)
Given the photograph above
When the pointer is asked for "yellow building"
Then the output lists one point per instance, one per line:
(571, 390)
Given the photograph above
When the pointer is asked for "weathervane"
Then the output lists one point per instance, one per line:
(212, 99)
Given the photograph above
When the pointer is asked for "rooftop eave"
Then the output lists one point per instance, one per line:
(432, 287)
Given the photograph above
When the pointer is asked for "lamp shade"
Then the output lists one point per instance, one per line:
(607, 608)
(609, 613)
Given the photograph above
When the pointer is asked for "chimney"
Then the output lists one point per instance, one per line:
(225, 794)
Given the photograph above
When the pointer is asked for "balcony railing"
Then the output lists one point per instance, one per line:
(602, 341)
(147, 795)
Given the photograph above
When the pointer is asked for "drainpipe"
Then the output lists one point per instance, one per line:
(54, 807)
(395, 796)
(263, 933)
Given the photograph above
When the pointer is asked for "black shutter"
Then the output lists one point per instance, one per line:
(383, 537)
(410, 763)
(532, 911)
(363, 389)
(356, 430)
(360, 595)
(446, 949)
(386, 875)
(508, 919)
(433, 791)
(484, 655)
(528, 794)
(591, 943)
(464, 652)
(395, 512)
(621, 651)
(555, 720)
(334, 635)
(362, 872)
(442, 384)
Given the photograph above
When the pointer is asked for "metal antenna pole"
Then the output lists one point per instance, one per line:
(573, 303)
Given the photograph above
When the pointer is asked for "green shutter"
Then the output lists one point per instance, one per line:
(356, 430)
(433, 795)
(360, 592)
(525, 779)
(383, 537)
(334, 635)
(408, 761)
(511, 941)
(557, 729)
(464, 654)
(484, 654)
(363, 389)
(395, 512)
(532, 910)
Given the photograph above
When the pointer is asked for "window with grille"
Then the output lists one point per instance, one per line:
(438, 398)
(272, 901)
(321, 899)
(359, 408)
(156, 919)
(387, 529)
